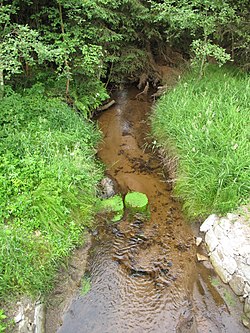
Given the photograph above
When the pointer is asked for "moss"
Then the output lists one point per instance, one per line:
(114, 205)
(86, 284)
(136, 202)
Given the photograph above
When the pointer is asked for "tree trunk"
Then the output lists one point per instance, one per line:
(65, 61)
(203, 60)
(1, 84)
(106, 106)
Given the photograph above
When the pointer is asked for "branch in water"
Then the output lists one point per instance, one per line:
(106, 106)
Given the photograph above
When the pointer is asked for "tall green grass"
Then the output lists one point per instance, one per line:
(48, 176)
(207, 124)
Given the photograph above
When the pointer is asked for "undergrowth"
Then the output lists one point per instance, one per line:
(206, 122)
(47, 188)
(2, 321)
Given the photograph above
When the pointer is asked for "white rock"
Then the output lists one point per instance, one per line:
(247, 307)
(246, 292)
(19, 317)
(237, 226)
(244, 270)
(217, 263)
(229, 264)
(198, 241)
(39, 318)
(225, 224)
(26, 326)
(237, 283)
(227, 246)
(232, 217)
(238, 245)
(211, 240)
(220, 252)
(227, 260)
(218, 231)
(237, 236)
(244, 251)
(240, 260)
(208, 223)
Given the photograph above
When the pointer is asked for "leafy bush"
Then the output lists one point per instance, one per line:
(47, 187)
(207, 121)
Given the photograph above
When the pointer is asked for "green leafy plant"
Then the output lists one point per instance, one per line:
(205, 49)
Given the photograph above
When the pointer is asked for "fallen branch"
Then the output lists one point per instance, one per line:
(106, 106)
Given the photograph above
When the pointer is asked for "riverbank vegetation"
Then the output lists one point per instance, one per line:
(58, 60)
(47, 187)
(206, 122)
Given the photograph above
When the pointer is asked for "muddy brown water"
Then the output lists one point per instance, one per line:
(144, 273)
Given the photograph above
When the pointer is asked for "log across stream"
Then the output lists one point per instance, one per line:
(144, 273)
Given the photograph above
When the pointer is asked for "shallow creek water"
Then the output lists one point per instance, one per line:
(144, 273)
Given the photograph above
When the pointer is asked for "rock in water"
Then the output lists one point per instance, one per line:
(107, 187)
(198, 241)
(200, 257)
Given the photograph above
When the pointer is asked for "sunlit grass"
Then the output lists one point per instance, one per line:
(48, 176)
(208, 123)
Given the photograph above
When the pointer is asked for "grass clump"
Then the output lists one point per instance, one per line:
(47, 188)
(206, 122)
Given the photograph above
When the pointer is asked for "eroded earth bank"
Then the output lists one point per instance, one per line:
(144, 273)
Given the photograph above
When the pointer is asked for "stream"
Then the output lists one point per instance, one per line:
(144, 273)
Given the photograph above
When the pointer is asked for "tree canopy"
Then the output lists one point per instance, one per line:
(104, 41)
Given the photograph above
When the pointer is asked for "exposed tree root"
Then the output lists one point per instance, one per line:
(142, 96)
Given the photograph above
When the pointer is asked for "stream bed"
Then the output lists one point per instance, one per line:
(144, 273)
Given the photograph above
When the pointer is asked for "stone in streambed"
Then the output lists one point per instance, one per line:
(107, 187)
(201, 257)
(114, 205)
(136, 202)
(198, 241)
